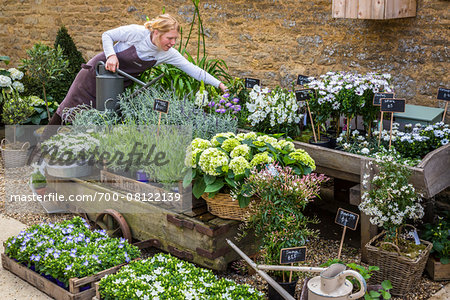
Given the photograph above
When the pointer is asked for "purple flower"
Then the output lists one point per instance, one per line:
(228, 104)
(86, 263)
(211, 104)
(35, 257)
(237, 108)
(235, 100)
(222, 101)
(68, 267)
(223, 110)
(218, 110)
(226, 95)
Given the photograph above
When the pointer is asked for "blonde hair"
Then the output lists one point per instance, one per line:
(163, 23)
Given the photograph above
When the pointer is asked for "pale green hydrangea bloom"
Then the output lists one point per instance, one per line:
(261, 158)
(199, 143)
(239, 165)
(191, 155)
(229, 144)
(214, 140)
(286, 145)
(211, 159)
(301, 155)
(269, 140)
(241, 150)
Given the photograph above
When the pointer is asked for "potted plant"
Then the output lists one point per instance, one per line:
(39, 182)
(220, 166)
(389, 202)
(438, 264)
(277, 218)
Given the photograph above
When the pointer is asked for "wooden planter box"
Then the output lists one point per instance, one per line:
(51, 288)
(374, 9)
(436, 270)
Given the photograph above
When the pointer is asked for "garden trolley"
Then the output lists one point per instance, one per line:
(190, 233)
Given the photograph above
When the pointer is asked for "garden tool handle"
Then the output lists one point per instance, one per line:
(119, 71)
(362, 283)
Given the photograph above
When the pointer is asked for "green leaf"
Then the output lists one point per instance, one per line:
(36, 120)
(243, 201)
(216, 186)
(209, 179)
(230, 182)
(188, 178)
(387, 285)
(386, 295)
(445, 260)
(199, 188)
(374, 294)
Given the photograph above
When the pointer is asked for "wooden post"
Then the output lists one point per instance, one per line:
(390, 135)
(342, 242)
(159, 123)
(445, 111)
(290, 274)
(312, 122)
(381, 127)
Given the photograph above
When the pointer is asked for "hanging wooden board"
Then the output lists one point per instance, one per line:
(374, 9)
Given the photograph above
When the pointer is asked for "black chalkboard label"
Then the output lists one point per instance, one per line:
(251, 82)
(161, 106)
(302, 80)
(347, 218)
(378, 96)
(303, 95)
(393, 105)
(292, 255)
(443, 94)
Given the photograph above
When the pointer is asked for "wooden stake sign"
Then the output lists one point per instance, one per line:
(305, 95)
(291, 256)
(444, 94)
(377, 102)
(302, 80)
(347, 219)
(251, 82)
(392, 105)
(163, 107)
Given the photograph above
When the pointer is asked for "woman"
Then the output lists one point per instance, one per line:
(138, 48)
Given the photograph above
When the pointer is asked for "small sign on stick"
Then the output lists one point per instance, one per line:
(162, 106)
(305, 95)
(392, 105)
(251, 82)
(444, 94)
(378, 96)
(291, 256)
(347, 219)
(302, 80)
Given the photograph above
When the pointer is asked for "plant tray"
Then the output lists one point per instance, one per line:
(437, 270)
(187, 200)
(51, 288)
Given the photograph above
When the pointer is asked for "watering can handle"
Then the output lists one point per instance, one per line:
(362, 283)
(121, 73)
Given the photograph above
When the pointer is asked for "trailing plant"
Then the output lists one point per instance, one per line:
(166, 277)
(45, 65)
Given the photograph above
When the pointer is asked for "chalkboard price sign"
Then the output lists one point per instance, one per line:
(251, 82)
(161, 106)
(303, 95)
(393, 105)
(302, 80)
(292, 255)
(443, 94)
(347, 218)
(378, 96)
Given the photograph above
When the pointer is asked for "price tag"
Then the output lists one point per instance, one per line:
(378, 96)
(251, 82)
(416, 237)
(393, 105)
(302, 80)
(443, 94)
(161, 106)
(347, 218)
(292, 255)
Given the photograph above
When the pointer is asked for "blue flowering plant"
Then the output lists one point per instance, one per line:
(68, 249)
(222, 163)
(166, 277)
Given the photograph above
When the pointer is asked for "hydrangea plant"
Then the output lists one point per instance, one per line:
(68, 249)
(166, 277)
(223, 162)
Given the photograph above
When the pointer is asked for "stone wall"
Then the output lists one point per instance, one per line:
(273, 40)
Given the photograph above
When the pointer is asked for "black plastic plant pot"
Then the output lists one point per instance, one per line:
(323, 142)
(288, 286)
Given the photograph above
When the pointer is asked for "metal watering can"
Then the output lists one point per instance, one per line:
(109, 85)
(331, 284)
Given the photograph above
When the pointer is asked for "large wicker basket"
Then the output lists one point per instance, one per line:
(14, 158)
(223, 206)
(403, 272)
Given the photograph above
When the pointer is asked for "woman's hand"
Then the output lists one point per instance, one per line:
(223, 87)
(112, 63)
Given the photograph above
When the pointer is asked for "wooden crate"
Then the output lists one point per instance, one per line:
(436, 270)
(52, 289)
(187, 200)
(374, 9)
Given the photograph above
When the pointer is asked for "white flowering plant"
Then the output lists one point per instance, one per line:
(10, 80)
(273, 111)
(348, 94)
(68, 249)
(166, 277)
(224, 162)
(390, 200)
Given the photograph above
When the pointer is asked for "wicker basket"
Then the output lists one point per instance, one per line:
(14, 158)
(403, 272)
(223, 206)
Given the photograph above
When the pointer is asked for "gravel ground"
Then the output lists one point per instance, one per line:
(323, 248)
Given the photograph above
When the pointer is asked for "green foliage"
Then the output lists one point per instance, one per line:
(39, 116)
(16, 110)
(38, 180)
(439, 235)
(70, 51)
(46, 66)
(5, 59)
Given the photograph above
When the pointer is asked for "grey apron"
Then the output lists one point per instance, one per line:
(82, 90)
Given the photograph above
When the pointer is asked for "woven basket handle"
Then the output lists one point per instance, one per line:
(408, 225)
(4, 142)
(392, 244)
(27, 146)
